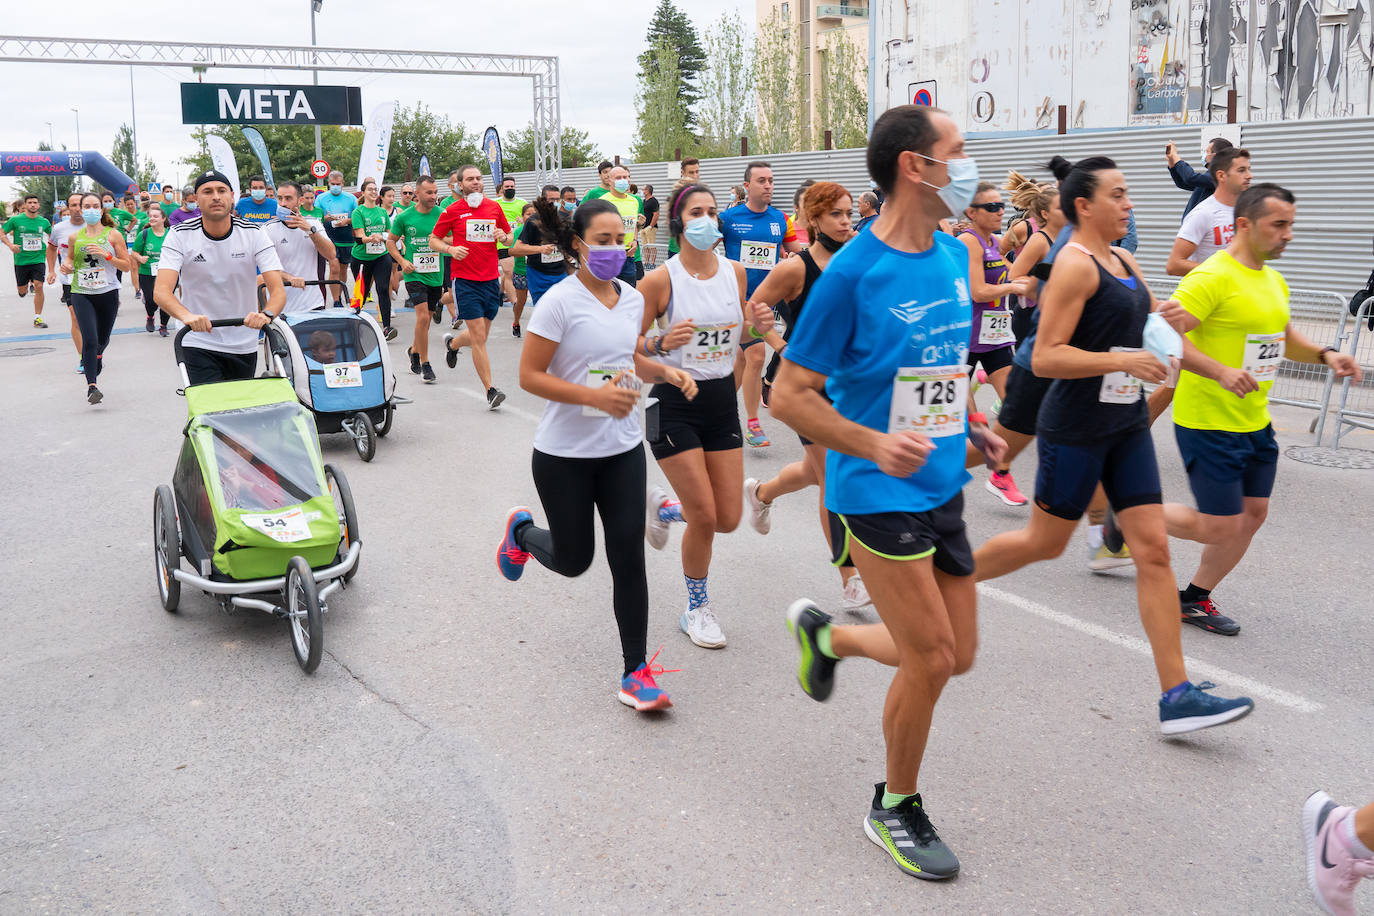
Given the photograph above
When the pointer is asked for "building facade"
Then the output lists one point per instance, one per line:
(815, 26)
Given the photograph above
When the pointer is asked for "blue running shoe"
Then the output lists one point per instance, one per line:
(1197, 709)
(510, 559)
(639, 690)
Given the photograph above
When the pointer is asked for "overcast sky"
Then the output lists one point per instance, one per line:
(596, 59)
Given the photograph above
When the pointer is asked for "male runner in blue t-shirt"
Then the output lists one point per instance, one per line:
(756, 234)
(338, 207)
(257, 207)
(885, 333)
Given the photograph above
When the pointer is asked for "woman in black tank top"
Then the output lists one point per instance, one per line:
(1093, 427)
(826, 206)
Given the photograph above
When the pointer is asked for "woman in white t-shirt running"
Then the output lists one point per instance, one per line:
(699, 445)
(580, 356)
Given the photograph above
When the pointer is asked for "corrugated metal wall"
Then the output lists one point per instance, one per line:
(1328, 165)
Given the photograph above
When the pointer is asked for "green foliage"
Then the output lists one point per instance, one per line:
(671, 26)
(842, 106)
(290, 147)
(517, 149)
(122, 155)
(420, 132)
(782, 104)
(727, 107)
(661, 126)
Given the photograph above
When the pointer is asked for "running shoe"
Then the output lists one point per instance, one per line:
(515, 332)
(1333, 870)
(639, 690)
(702, 628)
(148, 325)
(855, 595)
(1102, 559)
(753, 434)
(906, 834)
(457, 323)
(510, 559)
(389, 332)
(450, 354)
(1001, 485)
(655, 528)
(93, 395)
(816, 670)
(980, 378)
(162, 331)
(438, 315)
(1197, 709)
(80, 368)
(427, 373)
(495, 398)
(758, 509)
(1204, 615)
(38, 321)
(414, 361)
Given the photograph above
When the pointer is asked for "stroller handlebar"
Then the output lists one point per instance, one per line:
(214, 323)
(262, 290)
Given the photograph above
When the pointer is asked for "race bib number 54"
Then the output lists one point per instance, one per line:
(930, 400)
(287, 527)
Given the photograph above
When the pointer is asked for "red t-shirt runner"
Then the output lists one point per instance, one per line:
(475, 230)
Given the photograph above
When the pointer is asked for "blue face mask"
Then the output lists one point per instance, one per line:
(1161, 339)
(336, 189)
(701, 233)
(622, 185)
(962, 186)
(107, 204)
(569, 206)
(91, 216)
(258, 195)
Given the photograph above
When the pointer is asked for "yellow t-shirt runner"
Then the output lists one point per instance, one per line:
(630, 208)
(1244, 313)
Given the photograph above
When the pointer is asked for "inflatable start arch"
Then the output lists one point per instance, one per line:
(45, 163)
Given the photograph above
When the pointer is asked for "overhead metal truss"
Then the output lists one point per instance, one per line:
(548, 127)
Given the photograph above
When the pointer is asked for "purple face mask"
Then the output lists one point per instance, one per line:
(605, 261)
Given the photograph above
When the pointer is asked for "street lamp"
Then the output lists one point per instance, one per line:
(315, 6)
(77, 112)
(52, 146)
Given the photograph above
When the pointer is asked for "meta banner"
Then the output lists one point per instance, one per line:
(240, 103)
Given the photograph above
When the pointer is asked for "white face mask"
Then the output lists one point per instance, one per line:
(474, 199)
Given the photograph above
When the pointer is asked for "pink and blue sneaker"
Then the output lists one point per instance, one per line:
(1333, 868)
(510, 559)
(639, 690)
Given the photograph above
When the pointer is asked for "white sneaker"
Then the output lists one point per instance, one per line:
(758, 509)
(855, 595)
(702, 627)
(655, 529)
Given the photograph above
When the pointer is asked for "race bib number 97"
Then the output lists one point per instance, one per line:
(930, 400)
(343, 375)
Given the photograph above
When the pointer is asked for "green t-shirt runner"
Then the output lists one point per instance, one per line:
(122, 218)
(413, 229)
(373, 221)
(512, 208)
(313, 213)
(519, 261)
(28, 232)
(150, 245)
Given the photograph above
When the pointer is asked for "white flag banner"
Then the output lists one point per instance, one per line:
(376, 144)
(222, 158)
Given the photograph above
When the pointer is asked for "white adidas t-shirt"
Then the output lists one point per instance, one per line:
(592, 340)
(299, 258)
(60, 238)
(1210, 225)
(219, 278)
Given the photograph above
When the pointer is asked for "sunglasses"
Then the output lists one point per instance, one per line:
(990, 208)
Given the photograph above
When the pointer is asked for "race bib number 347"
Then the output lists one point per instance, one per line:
(930, 400)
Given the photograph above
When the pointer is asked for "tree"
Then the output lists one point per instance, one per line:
(671, 26)
(517, 149)
(420, 132)
(727, 107)
(122, 155)
(843, 101)
(290, 149)
(782, 123)
(661, 125)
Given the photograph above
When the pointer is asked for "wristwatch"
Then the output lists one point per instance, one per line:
(1321, 354)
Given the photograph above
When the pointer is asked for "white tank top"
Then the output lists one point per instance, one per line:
(713, 305)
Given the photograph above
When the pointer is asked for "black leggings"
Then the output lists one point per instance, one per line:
(95, 316)
(569, 488)
(377, 272)
(146, 282)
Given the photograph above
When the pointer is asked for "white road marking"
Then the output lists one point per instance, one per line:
(504, 408)
(1141, 646)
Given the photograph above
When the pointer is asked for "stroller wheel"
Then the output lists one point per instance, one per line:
(166, 547)
(303, 613)
(348, 515)
(388, 411)
(364, 435)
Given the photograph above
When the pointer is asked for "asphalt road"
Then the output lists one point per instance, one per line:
(461, 749)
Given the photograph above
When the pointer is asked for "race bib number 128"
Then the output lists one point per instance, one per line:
(930, 400)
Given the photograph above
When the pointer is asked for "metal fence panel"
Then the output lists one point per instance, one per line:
(1356, 405)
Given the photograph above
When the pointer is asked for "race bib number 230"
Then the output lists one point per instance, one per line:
(930, 400)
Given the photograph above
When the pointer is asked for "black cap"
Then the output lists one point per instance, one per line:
(209, 176)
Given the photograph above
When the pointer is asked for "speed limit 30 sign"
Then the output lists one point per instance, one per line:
(320, 169)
